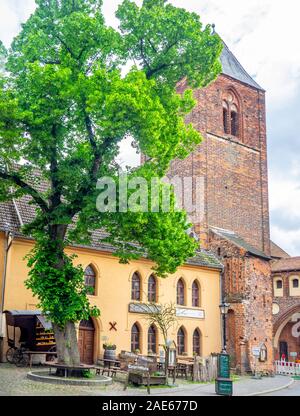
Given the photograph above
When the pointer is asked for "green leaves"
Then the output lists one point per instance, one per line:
(72, 90)
(61, 291)
(170, 43)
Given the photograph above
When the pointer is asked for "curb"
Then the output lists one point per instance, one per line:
(44, 378)
(271, 390)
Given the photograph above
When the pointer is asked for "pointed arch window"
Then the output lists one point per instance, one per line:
(180, 341)
(152, 339)
(231, 114)
(195, 294)
(197, 342)
(90, 279)
(152, 289)
(136, 287)
(135, 338)
(180, 292)
(226, 118)
(234, 119)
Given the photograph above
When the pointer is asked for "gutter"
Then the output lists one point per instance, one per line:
(8, 236)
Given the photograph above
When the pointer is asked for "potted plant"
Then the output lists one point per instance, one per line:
(109, 351)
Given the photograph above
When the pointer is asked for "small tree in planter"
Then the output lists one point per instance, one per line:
(164, 318)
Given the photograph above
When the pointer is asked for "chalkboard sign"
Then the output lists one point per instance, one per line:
(223, 387)
(223, 366)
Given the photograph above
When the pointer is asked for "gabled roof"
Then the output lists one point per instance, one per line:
(277, 252)
(239, 242)
(232, 67)
(286, 265)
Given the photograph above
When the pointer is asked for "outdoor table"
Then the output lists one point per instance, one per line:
(108, 366)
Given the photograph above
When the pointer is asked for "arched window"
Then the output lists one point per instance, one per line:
(278, 284)
(135, 338)
(234, 121)
(195, 294)
(136, 287)
(180, 292)
(152, 341)
(197, 342)
(90, 279)
(225, 118)
(295, 283)
(152, 295)
(180, 341)
(231, 114)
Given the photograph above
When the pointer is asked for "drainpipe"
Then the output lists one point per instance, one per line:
(8, 242)
(222, 300)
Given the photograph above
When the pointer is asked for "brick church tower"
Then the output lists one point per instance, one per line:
(232, 165)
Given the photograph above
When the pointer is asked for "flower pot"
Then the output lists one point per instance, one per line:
(109, 355)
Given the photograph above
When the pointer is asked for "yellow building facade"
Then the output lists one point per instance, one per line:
(119, 292)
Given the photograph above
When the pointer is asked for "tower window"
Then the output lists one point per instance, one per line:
(295, 283)
(231, 114)
(278, 284)
(234, 123)
(225, 118)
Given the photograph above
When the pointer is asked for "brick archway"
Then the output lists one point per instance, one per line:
(281, 323)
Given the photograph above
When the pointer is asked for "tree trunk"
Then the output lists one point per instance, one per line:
(66, 338)
(167, 364)
(67, 345)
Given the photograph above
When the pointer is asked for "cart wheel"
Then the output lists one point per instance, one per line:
(10, 355)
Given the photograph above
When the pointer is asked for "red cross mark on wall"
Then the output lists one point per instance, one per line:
(113, 326)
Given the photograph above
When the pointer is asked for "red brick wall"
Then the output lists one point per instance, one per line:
(247, 287)
(235, 170)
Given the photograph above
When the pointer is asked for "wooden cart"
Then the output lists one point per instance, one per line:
(28, 333)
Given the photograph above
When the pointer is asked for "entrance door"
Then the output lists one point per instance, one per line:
(86, 341)
(283, 349)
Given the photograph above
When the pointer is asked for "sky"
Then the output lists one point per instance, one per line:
(264, 35)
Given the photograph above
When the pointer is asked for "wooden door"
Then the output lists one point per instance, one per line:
(86, 341)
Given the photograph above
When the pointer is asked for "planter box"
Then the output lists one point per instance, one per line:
(142, 380)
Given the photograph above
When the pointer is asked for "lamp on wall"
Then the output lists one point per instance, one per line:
(224, 308)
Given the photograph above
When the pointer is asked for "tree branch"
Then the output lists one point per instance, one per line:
(16, 179)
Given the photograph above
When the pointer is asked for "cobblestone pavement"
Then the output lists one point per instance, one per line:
(13, 381)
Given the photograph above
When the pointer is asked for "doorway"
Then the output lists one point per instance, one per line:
(86, 341)
(283, 350)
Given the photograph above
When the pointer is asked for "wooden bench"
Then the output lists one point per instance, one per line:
(32, 353)
(66, 368)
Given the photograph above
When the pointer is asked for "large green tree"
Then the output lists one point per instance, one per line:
(72, 90)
